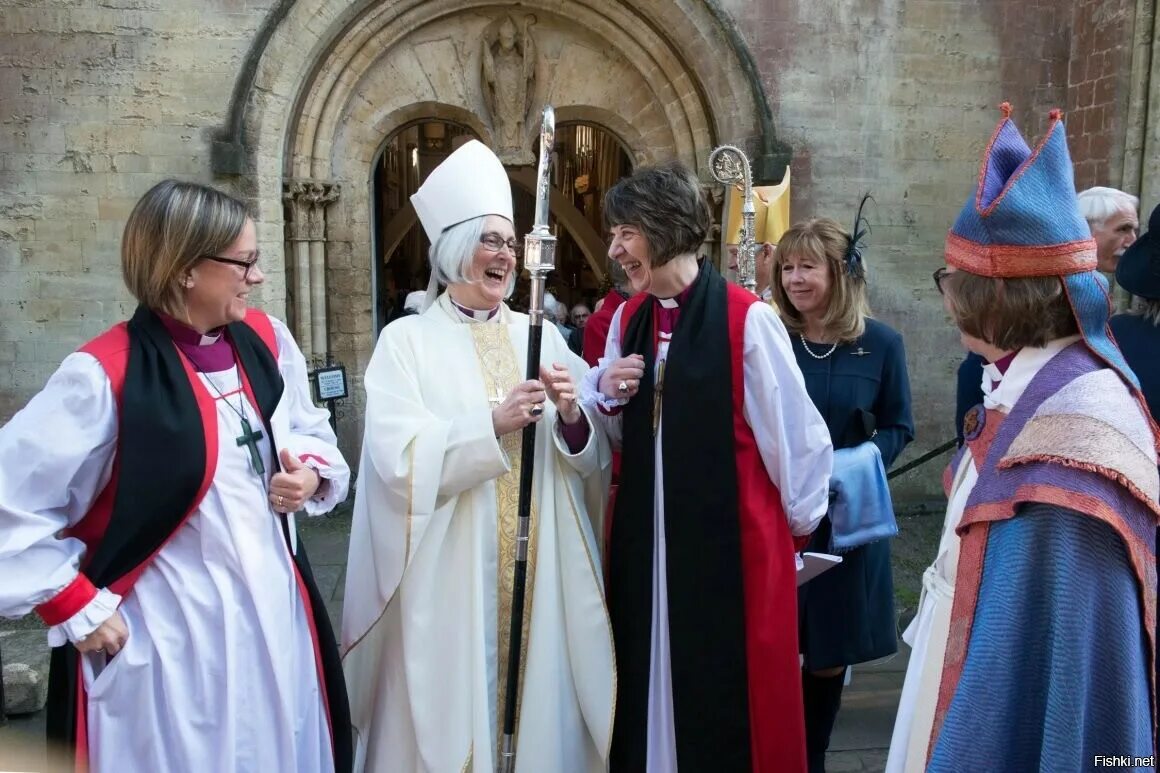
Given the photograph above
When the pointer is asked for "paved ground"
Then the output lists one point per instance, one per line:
(860, 740)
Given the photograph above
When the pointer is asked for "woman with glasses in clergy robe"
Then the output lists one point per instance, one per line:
(855, 373)
(429, 582)
(146, 501)
(724, 463)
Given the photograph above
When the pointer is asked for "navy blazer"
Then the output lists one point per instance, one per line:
(862, 391)
(1139, 339)
(860, 388)
(970, 389)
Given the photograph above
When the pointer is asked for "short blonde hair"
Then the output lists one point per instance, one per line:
(824, 240)
(173, 226)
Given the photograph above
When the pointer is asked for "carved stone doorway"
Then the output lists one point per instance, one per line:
(588, 160)
(329, 81)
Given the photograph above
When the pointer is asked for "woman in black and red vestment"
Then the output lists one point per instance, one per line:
(146, 506)
(725, 461)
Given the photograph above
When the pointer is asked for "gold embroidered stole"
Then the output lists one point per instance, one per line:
(497, 363)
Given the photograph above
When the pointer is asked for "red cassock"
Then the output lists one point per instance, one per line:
(731, 575)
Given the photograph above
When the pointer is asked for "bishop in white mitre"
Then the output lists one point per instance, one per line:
(429, 583)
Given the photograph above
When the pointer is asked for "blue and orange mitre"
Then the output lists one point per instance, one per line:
(1024, 218)
(1024, 221)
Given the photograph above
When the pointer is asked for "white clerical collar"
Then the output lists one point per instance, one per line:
(475, 314)
(668, 303)
(1003, 390)
(209, 339)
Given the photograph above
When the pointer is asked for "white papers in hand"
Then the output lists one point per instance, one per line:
(810, 565)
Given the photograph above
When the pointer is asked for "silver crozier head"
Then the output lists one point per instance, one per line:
(730, 167)
(540, 245)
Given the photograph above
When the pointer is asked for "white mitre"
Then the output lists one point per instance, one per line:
(470, 183)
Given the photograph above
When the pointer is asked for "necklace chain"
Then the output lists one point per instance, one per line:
(249, 436)
(241, 399)
(812, 353)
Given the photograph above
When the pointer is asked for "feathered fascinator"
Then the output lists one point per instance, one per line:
(855, 265)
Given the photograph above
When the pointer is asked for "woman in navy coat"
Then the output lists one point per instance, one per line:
(855, 372)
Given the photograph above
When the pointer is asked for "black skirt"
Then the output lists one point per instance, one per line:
(846, 615)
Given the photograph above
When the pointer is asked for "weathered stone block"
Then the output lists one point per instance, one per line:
(25, 656)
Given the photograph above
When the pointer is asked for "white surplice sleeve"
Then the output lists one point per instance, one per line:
(791, 435)
(55, 457)
(604, 410)
(311, 437)
(593, 455)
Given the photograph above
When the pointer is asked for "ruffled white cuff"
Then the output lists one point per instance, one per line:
(89, 619)
(326, 497)
(590, 394)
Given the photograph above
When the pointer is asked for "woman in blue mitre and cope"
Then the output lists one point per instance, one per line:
(1034, 642)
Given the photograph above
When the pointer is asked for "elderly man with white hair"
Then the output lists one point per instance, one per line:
(1111, 216)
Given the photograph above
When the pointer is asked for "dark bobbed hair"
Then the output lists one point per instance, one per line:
(666, 203)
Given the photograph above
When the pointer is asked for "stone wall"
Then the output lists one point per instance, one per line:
(1099, 86)
(99, 99)
(899, 97)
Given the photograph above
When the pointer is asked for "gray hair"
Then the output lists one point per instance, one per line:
(453, 252)
(1099, 203)
(554, 307)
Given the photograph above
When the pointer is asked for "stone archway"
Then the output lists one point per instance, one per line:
(335, 77)
(563, 210)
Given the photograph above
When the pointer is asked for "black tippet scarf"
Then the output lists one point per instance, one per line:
(702, 534)
(162, 451)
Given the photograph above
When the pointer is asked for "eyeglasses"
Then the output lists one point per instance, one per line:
(493, 242)
(939, 275)
(247, 265)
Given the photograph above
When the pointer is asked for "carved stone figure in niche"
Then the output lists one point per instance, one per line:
(508, 81)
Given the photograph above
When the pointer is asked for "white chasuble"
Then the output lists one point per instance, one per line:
(428, 586)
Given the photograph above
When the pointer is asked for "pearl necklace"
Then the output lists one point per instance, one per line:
(811, 353)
